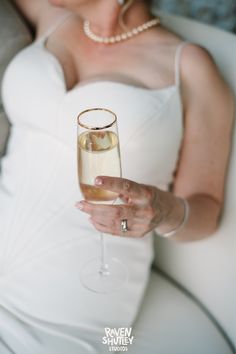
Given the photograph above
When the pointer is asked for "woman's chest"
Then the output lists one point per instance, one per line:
(136, 64)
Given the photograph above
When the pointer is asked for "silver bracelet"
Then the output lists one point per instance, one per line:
(183, 222)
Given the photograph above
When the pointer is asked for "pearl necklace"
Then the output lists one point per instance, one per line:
(119, 37)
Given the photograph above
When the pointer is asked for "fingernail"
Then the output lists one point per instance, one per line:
(79, 205)
(98, 181)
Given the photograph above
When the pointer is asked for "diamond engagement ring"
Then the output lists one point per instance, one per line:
(124, 225)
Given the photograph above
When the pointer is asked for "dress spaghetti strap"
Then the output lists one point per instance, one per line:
(177, 61)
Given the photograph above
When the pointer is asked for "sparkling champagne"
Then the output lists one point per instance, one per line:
(98, 154)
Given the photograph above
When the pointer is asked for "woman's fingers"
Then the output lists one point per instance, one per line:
(135, 231)
(110, 215)
(114, 211)
(107, 218)
(137, 193)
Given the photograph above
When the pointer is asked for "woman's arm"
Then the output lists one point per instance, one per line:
(200, 177)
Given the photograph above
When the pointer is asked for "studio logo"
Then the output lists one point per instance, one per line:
(118, 339)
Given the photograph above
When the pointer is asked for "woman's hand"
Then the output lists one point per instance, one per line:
(144, 207)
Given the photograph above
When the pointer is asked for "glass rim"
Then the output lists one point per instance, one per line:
(96, 109)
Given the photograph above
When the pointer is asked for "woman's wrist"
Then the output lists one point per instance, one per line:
(176, 215)
(172, 231)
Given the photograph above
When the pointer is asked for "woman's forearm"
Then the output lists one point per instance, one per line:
(203, 217)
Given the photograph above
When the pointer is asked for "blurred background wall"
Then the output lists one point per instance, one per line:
(221, 13)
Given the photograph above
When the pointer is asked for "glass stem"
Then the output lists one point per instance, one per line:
(104, 268)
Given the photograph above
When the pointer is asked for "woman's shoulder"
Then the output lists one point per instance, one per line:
(195, 54)
(193, 57)
(39, 14)
(172, 40)
(30, 9)
(199, 72)
(198, 66)
(196, 62)
(204, 87)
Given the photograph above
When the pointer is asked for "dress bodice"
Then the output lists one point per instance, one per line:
(149, 120)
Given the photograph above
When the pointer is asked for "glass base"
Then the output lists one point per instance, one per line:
(113, 277)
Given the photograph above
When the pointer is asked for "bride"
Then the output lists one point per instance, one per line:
(175, 116)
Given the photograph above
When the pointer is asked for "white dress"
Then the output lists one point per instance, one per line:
(44, 239)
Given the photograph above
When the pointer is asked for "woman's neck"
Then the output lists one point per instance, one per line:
(103, 16)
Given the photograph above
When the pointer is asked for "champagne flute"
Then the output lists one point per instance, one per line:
(99, 154)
